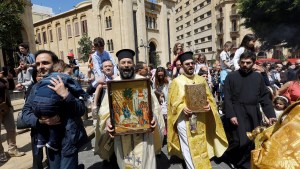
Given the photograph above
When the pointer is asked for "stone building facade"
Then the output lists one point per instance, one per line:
(143, 26)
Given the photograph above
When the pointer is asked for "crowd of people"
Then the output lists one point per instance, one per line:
(242, 94)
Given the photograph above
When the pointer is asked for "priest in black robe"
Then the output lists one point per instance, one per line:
(244, 91)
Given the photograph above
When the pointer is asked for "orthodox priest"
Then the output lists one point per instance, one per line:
(133, 151)
(208, 138)
(245, 90)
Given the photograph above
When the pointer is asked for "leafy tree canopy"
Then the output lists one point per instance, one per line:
(273, 21)
(85, 48)
(10, 22)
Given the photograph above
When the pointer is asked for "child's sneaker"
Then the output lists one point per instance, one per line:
(53, 146)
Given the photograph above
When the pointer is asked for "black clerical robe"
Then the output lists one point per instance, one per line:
(243, 93)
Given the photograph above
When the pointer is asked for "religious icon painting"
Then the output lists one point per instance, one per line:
(130, 106)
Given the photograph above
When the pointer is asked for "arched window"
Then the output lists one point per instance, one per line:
(112, 45)
(109, 21)
(108, 44)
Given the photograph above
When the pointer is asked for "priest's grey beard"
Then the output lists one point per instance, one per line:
(126, 73)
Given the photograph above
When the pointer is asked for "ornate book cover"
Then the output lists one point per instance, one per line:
(195, 97)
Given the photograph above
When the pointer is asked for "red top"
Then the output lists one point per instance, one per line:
(294, 91)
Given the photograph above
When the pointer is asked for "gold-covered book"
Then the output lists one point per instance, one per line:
(195, 97)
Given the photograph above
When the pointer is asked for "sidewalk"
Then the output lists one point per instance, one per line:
(24, 141)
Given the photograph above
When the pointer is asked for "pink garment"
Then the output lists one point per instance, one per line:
(294, 91)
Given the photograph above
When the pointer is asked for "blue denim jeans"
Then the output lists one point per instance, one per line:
(58, 161)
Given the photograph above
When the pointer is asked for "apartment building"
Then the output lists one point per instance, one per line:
(143, 26)
(203, 26)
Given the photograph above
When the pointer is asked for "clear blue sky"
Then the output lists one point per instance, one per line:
(58, 6)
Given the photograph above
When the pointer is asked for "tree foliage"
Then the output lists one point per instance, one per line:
(10, 22)
(85, 48)
(273, 21)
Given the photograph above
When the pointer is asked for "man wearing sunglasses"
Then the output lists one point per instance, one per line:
(244, 91)
(195, 143)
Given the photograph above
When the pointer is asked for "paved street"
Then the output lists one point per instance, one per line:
(87, 158)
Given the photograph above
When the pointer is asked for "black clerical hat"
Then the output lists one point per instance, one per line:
(125, 53)
(185, 56)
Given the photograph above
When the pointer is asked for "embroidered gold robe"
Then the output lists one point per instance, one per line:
(209, 140)
(278, 147)
(134, 151)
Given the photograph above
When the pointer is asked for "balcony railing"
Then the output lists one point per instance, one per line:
(234, 32)
(220, 16)
(234, 14)
(220, 32)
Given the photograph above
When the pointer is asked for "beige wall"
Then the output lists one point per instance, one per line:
(121, 33)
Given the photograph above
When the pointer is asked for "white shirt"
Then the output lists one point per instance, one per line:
(237, 56)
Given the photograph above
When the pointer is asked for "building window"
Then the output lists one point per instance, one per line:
(234, 26)
(208, 13)
(109, 22)
(84, 29)
(106, 21)
(111, 45)
(44, 37)
(188, 23)
(154, 23)
(209, 26)
(76, 25)
(59, 33)
(208, 1)
(187, 3)
(108, 45)
(150, 22)
(210, 49)
(209, 38)
(39, 38)
(50, 35)
(69, 31)
(187, 14)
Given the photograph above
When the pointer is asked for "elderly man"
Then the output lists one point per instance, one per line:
(108, 71)
(132, 150)
(207, 138)
(141, 68)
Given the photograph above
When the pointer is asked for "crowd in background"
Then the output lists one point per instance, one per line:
(281, 78)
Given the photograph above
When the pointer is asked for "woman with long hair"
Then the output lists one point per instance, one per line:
(161, 82)
(248, 43)
(177, 50)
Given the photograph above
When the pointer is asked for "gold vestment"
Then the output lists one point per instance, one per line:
(278, 147)
(210, 139)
